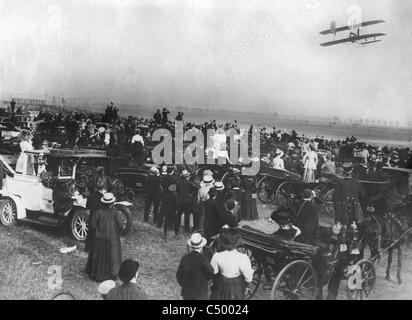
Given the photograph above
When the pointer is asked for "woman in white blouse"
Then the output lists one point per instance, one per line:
(233, 270)
(310, 162)
(24, 162)
(278, 161)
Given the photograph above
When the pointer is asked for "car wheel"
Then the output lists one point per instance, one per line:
(8, 212)
(79, 225)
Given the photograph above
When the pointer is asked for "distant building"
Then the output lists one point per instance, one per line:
(26, 104)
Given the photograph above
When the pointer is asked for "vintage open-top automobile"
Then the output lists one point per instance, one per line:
(51, 190)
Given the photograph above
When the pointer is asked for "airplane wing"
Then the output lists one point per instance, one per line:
(370, 41)
(331, 43)
(332, 31)
(366, 36)
(352, 39)
(363, 24)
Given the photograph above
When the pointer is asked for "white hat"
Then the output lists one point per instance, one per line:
(108, 198)
(154, 170)
(196, 241)
(208, 172)
(185, 173)
(208, 179)
(219, 185)
(106, 286)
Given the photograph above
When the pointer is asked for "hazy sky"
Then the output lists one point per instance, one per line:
(261, 55)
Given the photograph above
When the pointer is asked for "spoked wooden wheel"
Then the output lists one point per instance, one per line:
(284, 192)
(208, 252)
(79, 225)
(266, 189)
(296, 281)
(8, 212)
(257, 274)
(362, 280)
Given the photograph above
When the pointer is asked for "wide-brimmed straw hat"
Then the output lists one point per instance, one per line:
(196, 241)
(219, 185)
(108, 198)
(208, 179)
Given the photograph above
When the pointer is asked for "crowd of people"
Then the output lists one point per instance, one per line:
(211, 209)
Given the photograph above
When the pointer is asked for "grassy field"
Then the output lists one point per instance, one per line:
(27, 253)
(22, 247)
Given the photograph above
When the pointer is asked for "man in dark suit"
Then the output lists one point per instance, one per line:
(128, 290)
(157, 117)
(194, 271)
(346, 197)
(346, 202)
(307, 218)
(153, 190)
(212, 215)
(227, 217)
(184, 188)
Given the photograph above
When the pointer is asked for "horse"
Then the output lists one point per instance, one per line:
(384, 233)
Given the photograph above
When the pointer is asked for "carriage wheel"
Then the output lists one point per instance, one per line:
(296, 281)
(265, 190)
(208, 252)
(257, 274)
(366, 276)
(209, 249)
(283, 192)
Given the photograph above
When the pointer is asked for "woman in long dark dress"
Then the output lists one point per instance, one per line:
(232, 270)
(105, 255)
(248, 200)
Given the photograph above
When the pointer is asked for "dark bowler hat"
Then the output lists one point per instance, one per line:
(128, 270)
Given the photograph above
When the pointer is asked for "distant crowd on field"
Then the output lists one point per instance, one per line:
(281, 149)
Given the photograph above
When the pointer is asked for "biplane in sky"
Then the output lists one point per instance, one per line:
(354, 37)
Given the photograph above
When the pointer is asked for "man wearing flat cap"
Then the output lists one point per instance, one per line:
(128, 290)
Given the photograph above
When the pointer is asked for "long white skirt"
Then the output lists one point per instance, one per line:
(309, 176)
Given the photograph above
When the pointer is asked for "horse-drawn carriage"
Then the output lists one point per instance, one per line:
(277, 184)
(296, 271)
(386, 207)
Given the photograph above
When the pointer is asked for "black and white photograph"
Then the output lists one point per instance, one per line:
(216, 150)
